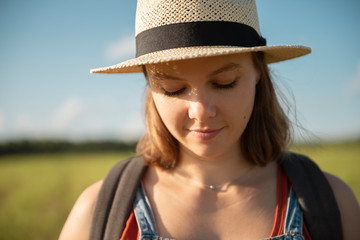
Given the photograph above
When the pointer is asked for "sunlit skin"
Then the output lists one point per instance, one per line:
(206, 103)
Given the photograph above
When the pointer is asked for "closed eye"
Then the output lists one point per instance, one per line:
(173, 93)
(225, 86)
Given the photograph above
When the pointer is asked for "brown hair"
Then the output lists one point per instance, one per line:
(264, 139)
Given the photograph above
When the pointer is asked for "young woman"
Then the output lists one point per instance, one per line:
(215, 131)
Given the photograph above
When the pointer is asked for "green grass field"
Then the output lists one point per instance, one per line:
(38, 191)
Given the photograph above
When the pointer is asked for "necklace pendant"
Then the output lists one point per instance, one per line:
(212, 187)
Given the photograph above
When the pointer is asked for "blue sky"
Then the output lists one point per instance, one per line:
(48, 47)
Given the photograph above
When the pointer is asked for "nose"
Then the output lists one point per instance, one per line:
(201, 108)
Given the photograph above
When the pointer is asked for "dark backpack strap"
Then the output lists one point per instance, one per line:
(115, 199)
(315, 196)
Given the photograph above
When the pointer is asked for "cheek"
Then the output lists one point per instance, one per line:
(171, 111)
(241, 106)
(249, 103)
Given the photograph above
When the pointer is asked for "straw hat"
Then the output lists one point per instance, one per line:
(170, 30)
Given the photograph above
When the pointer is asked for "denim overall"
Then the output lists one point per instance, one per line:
(147, 227)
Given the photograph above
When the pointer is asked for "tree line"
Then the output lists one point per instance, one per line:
(56, 146)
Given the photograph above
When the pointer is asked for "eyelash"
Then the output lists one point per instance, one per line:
(171, 94)
(225, 86)
(218, 86)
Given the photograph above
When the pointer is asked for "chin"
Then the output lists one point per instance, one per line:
(205, 152)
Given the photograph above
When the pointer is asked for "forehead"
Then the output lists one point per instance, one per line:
(201, 66)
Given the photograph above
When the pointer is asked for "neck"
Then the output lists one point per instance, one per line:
(216, 171)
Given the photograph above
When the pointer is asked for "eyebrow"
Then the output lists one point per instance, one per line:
(225, 68)
(165, 76)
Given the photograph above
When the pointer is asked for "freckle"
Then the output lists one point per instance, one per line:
(244, 117)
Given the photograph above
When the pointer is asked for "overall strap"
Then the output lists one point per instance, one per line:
(115, 199)
(315, 196)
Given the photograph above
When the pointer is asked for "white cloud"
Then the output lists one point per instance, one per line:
(353, 86)
(123, 48)
(24, 123)
(28, 124)
(2, 122)
(133, 126)
(67, 112)
(76, 118)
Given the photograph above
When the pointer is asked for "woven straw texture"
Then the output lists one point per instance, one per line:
(155, 13)
(152, 13)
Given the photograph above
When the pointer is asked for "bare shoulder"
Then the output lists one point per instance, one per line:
(77, 225)
(348, 205)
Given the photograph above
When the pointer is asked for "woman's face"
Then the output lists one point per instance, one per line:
(205, 103)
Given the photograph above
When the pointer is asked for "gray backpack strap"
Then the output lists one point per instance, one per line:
(315, 196)
(115, 199)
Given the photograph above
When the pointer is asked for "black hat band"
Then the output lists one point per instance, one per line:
(191, 34)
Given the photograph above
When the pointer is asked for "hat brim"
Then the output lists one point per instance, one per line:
(272, 54)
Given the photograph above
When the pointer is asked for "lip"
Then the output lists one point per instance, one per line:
(205, 134)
